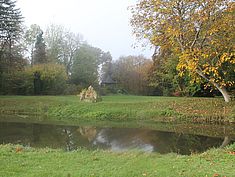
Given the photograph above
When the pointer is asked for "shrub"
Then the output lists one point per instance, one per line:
(49, 79)
(17, 83)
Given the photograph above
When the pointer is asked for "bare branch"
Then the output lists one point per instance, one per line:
(180, 43)
(196, 36)
(204, 39)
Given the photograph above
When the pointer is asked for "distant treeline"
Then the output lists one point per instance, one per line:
(58, 61)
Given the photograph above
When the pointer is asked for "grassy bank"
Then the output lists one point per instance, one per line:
(118, 109)
(26, 162)
(144, 111)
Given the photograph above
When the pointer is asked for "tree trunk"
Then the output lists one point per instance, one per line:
(226, 141)
(225, 94)
(222, 90)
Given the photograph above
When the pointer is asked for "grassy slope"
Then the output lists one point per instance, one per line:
(119, 108)
(29, 162)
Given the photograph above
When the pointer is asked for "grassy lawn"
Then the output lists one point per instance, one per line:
(118, 109)
(17, 161)
(28, 162)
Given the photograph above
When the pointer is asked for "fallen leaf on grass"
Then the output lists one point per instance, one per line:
(232, 152)
(19, 149)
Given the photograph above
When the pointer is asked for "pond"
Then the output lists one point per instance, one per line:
(108, 138)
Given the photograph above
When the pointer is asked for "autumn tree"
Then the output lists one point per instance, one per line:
(164, 76)
(131, 74)
(200, 33)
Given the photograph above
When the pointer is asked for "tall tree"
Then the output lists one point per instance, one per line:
(130, 74)
(164, 77)
(85, 66)
(62, 45)
(40, 50)
(200, 33)
(30, 38)
(106, 66)
(10, 30)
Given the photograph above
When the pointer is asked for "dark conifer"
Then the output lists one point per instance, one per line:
(10, 30)
(40, 50)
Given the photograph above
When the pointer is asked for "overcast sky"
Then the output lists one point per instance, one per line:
(103, 23)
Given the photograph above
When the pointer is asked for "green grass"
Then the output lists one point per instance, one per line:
(118, 109)
(126, 110)
(28, 162)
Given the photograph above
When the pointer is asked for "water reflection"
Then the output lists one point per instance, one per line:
(115, 139)
(123, 139)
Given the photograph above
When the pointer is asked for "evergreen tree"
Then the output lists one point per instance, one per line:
(10, 29)
(30, 38)
(40, 50)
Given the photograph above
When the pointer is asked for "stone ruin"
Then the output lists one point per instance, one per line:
(89, 95)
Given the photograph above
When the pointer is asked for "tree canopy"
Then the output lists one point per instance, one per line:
(62, 45)
(131, 74)
(200, 33)
(85, 66)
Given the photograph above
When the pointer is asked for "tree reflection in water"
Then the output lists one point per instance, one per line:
(115, 139)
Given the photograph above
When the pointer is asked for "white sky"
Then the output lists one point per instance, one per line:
(102, 23)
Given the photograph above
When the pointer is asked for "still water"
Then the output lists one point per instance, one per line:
(114, 139)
